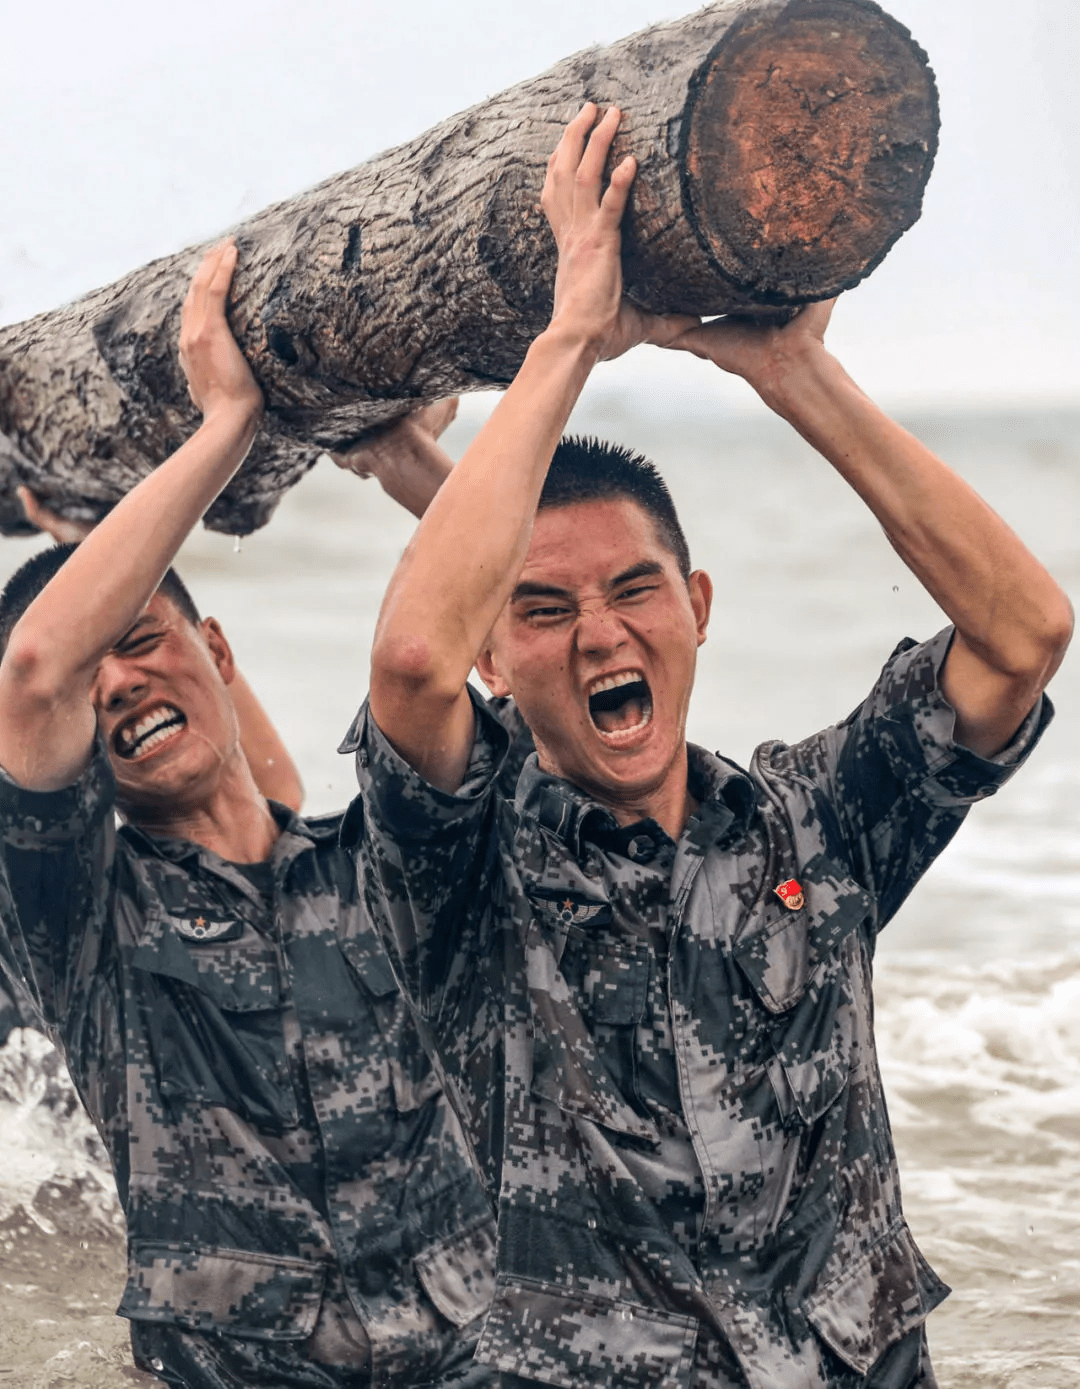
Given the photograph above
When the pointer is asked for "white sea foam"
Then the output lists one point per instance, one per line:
(48, 1147)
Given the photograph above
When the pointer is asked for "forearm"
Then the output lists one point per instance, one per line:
(1000, 598)
(274, 771)
(411, 469)
(106, 583)
(460, 567)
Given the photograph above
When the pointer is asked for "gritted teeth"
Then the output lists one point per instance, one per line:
(146, 732)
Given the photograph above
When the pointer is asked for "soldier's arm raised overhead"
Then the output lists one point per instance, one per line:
(1013, 622)
(47, 719)
(458, 572)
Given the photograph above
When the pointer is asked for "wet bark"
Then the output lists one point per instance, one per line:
(783, 147)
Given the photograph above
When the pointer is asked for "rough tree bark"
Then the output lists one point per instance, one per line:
(783, 147)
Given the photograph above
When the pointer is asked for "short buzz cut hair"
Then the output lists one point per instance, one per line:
(589, 470)
(31, 578)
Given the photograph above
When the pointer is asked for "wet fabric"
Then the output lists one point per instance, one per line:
(301, 1209)
(802, 1271)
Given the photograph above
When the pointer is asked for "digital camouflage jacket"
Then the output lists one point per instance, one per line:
(499, 916)
(276, 1131)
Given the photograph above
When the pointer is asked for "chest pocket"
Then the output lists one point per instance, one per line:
(804, 968)
(214, 1013)
(607, 977)
(412, 1079)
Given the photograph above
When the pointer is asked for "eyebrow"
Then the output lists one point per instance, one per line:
(139, 622)
(528, 590)
(647, 569)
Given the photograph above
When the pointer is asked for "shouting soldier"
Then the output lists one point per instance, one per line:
(647, 977)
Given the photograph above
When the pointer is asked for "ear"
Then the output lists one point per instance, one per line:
(700, 588)
(220, 650)
(488, 670)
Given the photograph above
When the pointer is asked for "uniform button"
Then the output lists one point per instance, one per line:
(641, 848)
(591, 1222)
(627, 1315)
(157, 1365)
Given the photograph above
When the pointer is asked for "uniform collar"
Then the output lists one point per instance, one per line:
(297, 836)
(726, 795)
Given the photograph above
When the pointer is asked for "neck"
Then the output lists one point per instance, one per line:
(669, 802)
(232, 820)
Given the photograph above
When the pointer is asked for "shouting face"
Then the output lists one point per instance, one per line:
(598, 645)
(164, 709)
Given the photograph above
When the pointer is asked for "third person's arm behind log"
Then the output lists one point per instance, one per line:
(1013, 622)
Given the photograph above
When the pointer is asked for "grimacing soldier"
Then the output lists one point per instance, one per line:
(646, 978)
(301, 1210)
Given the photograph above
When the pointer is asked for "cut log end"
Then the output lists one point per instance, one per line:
(810, 141)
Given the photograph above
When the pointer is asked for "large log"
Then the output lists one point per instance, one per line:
(783, 147)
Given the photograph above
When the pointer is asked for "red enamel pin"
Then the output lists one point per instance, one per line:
(791, 894)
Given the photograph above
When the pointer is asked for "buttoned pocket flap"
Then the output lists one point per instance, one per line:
(241, 976)
(214, 1017)
(459, 1274)
(367, 957)
(552, 1336)
(876, 1301)
(781, 958)
(263, 1296)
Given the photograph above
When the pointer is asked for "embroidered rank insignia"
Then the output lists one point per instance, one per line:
(791, 894)
(202, 929)
(577, 913)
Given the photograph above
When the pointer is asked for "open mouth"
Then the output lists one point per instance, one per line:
(139, 736)
(620, 705)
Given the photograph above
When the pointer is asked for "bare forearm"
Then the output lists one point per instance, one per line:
(413, 469)
(1001, 599)
(106, 583)
(274, 771)
(459, 569)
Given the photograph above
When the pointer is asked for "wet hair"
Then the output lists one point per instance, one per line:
(29, 580)
(589, 470)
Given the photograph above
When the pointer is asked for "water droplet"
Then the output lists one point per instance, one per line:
(236, 544)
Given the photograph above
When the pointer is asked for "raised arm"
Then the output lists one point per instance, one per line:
(47, 720)
(1013, 622)
(459, 570)
(276, 774)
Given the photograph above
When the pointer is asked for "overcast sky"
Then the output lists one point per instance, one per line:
(129, 129)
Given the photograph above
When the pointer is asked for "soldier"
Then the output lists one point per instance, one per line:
(300, 1208)
(647, 978)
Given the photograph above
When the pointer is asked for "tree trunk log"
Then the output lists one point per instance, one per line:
(783, 147)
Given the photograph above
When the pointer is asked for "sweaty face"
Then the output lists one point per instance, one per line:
(598, 645)
(164, 710)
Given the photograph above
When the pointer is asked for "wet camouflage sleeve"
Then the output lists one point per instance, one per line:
(57, 853)
(428, 850)
(894, 776)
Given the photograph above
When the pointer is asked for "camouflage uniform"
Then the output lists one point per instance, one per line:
(666, 1067)
(300, 1206)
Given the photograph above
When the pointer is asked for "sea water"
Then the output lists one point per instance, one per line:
(978, 978)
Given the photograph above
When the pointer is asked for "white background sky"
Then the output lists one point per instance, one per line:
(129, 129)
